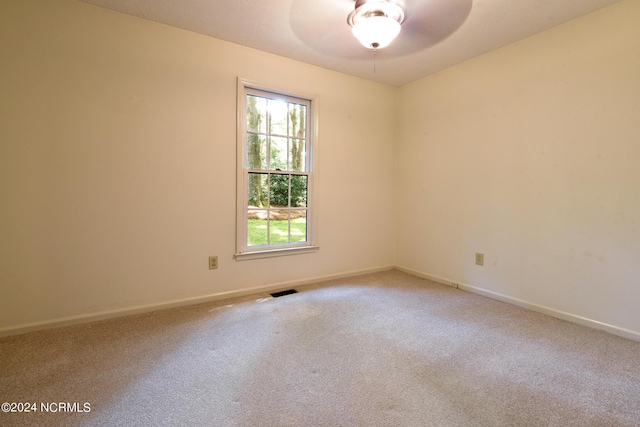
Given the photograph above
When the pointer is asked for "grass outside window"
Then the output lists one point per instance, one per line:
(279, 231)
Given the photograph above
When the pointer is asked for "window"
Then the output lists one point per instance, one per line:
(275, 184)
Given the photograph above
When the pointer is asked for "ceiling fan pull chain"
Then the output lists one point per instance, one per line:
(375, 50)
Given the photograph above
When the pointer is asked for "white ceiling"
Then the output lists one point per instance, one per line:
(436, 34)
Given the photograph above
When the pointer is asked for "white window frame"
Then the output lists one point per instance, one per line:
(243, 251)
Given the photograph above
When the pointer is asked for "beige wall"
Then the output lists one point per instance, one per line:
(531, 155)
(117, 164)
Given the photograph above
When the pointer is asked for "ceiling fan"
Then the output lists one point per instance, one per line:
(403, 26)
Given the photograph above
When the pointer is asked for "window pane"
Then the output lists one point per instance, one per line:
(278, 115)
(298, 225)
(278, 153)
(279, 190)
(278, 227)
(297, 120)
(299, 185)
(256, 114)
(256, 151)
(256, 227)
(297, 155)
(257, 190)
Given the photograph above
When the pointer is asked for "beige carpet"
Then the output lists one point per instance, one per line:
(386, 349)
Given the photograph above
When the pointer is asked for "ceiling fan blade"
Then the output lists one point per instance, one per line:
(322, 26)
(427, 23)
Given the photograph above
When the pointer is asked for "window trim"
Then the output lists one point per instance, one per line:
(243, 252)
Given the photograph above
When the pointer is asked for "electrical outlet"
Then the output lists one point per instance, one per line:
(213, 262)
(479, 258)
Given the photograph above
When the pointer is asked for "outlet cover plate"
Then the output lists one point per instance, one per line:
(213, 262)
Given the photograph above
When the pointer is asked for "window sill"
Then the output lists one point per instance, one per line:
(269, 253)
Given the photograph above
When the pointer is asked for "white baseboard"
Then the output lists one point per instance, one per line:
(625, 333)
(110, 314)
(420, 274)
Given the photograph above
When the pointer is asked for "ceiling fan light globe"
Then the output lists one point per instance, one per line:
(376, 32)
